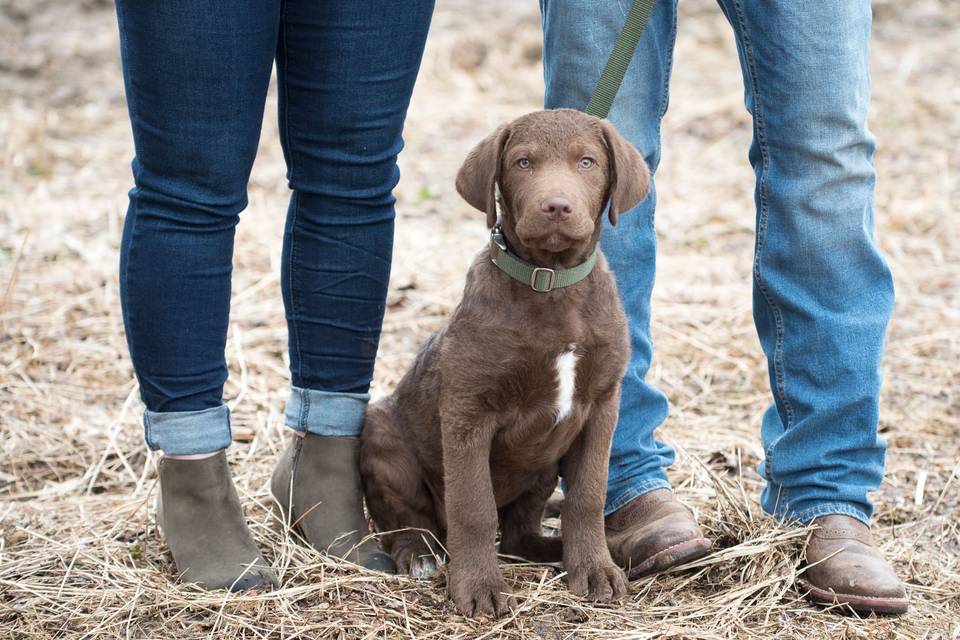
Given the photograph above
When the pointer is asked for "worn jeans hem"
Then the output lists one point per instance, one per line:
(326, 413)
(182, 433)
(806, 516)
(635, 490)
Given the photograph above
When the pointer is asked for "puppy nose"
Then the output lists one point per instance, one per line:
(556, 207)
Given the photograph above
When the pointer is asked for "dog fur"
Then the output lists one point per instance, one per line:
(519, 384)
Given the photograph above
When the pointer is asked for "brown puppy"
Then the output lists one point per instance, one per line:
(520, 382)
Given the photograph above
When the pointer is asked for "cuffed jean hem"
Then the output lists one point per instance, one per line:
(181, 433)
(633, 491)
(806, 516)
(326, 413)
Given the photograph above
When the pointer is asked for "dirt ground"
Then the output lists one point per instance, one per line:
(80, 556)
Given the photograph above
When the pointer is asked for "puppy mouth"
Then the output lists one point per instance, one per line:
(553, 237)
(552, 242)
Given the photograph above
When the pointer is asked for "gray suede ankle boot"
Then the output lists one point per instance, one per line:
(317, 485)
(199, 514)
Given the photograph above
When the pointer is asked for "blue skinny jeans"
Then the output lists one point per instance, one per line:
(822, 293)
(196, 74)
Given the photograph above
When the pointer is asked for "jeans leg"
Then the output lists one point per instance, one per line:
(578, 38)
(822, 292)
(346, 71)
(196, 77)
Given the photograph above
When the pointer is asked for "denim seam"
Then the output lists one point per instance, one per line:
(125, 276)
(780, 505)
(294, 258)
(662, 109)
(134, 211)
(296, 208)
(779, 386)
(147, 432)
(133, 229)
(665, 90)
(304, 411)
(131, 105)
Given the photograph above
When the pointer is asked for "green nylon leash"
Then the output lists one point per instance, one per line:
(616, 67)
(539, 278)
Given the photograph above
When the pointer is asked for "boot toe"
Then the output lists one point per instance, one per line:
(868, 589)
(845, 568)
(257, 580)
(654, 533)
(664, 556)
(379, 561)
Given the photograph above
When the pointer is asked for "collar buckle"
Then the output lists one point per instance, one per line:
(496, 234)
(550, 282)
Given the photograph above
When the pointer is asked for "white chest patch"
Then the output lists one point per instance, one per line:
(566, 366)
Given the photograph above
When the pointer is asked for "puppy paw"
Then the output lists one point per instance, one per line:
(423, 567)
(480, 595)
(600, 581)
(417, 561)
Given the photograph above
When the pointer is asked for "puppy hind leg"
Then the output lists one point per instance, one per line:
(521, 523)
(397, 495)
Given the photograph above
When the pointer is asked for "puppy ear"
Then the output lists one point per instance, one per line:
(629, 175)
(480, 172)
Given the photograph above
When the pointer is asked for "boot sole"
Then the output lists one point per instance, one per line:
(297, 534)
(859, 604)
(670, 557)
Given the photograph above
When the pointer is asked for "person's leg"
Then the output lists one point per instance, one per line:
(822, 292)
(196, 79)
(346, 72)
(578, 38)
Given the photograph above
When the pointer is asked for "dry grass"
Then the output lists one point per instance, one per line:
(79, 555)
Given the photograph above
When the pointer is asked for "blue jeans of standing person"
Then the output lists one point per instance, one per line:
(196, 75)
(822, 293)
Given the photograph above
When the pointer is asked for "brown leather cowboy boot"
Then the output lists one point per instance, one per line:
(199, 514)
(317, 485)
(844, 567)
(652, 533)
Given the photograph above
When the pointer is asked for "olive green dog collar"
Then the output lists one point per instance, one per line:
(537, 278)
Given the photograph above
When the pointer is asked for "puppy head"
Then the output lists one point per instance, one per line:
(556, 170)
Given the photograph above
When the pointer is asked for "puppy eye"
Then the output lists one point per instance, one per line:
(586, 163)
(523, 163)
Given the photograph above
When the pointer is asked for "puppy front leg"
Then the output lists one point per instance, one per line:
(474, 580)
(591, 571)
